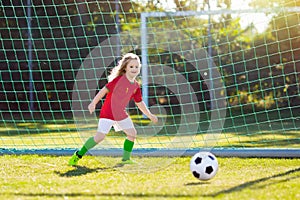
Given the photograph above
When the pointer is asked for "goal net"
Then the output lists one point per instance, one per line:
(220, 77)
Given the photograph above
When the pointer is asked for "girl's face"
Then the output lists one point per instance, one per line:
(133, 69)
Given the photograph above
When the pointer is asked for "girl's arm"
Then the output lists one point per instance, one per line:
(142, 106)
(97, 98)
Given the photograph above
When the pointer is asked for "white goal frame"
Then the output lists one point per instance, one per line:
(225, 152)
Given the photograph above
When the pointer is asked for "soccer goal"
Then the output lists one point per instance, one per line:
(221, 80)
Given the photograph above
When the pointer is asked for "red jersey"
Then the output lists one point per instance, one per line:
(121, 91)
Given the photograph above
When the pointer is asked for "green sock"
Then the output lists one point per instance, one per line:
(90, 143)
(127, 149)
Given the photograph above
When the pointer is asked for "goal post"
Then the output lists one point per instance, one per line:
(240, 152)
(144, 34)
(225, 81)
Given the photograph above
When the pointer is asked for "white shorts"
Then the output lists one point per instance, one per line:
(105, 125)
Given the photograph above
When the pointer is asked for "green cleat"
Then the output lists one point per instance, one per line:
(74, 159)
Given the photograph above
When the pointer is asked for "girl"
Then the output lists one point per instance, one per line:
(120, 89)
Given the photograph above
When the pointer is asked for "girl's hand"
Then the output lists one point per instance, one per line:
(153, 118)
(92, 107)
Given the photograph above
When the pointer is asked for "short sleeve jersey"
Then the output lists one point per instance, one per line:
(121, 91)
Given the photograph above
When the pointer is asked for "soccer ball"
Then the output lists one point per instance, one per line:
(204, 165)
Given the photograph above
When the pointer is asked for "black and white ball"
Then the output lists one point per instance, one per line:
(204, 165)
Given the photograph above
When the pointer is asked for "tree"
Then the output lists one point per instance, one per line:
(283, 44)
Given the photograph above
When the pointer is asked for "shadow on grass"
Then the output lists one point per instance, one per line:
(197, 183)
(79, 171)
(103, 195)
(82, 170)
(254, 182)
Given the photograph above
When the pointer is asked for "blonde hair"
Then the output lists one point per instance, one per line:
(120, 68)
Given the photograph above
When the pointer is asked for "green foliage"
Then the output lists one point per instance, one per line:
(256, 67)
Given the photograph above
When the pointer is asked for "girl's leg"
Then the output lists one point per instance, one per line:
(128, 143)
(104, 125)
(90, 143)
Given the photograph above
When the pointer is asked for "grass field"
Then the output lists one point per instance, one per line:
(49, 177)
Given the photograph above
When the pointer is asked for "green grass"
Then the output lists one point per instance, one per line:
(49, 177)
(46, 177)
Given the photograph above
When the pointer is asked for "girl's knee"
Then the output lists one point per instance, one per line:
(99, 137)
(131, 134)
